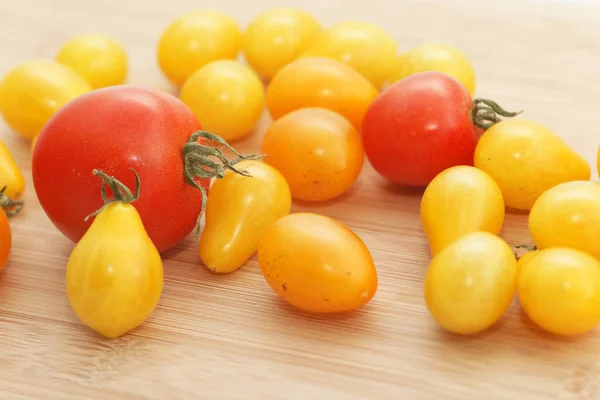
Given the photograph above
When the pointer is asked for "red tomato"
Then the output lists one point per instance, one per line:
(422, 125)
(114, 129)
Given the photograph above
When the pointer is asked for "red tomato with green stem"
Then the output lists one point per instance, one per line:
(424, 124)
(118, 128)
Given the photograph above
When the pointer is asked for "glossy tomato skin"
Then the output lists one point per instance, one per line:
(419, 127)
(115, 129)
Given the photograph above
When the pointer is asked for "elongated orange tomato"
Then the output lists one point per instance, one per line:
(460, 200)
(8, 208)
(240, 208)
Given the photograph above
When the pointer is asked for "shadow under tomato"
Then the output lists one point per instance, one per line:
(535, 330)
(357, 316)
(402, 190)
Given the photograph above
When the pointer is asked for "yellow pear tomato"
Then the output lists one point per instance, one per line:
(114, 274)
(568, 215)
(320, 82)
(100, 59)
(32, 92)
(526, 158)
(276, 37)
(318, 152)
(460, 200)
(195, 39)
(226, 96)
(317, 264)
(11, 178)
(559, 289)
(365, 47)
(471, 282)
(436, 57)
(238, 211)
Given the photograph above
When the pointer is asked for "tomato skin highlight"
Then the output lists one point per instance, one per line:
(115, 129)
(419, 127)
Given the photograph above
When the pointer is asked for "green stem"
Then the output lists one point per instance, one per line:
(527, 247)
(9, 206)
(199, 165)
(485, 113)
(121, 193)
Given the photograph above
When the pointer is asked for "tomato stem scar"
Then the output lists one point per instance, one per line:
(121, 193)
(9, 206)
(485, 113)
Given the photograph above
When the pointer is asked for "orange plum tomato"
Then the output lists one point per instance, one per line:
(317, 264)
(317, 150)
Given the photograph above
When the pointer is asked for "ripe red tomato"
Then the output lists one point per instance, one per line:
(114, 129)
(422, 125)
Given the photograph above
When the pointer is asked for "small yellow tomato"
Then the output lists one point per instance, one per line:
(526, 158)
(470, 284)
(568, 215)
(436, 57)
(559, 289)
(460, 200)
(365, 47)
(318, 152)
(100, 59)
(32, 92)
(317, 264)
(524, 259)
(238, 211)
(276, 37)
(226, 96)
(195, 39)
(320, 82)
(11, 177)
(114, 275)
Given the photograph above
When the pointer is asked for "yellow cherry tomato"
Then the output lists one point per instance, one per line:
(470, 283)
(568, 215)
(320, 82)
(460, 200)
(526, 158)
(226, 96)
(276, 37)
(32, 92)
(114, 275)
(195, 39)
(436, 57)
(99, 59)
(11, 177)
(559, 289)
(318, 152)
(317, 264)
(238, 211)
(365, 47)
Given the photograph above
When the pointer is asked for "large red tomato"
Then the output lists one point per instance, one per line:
(422, 125)
(115, 129)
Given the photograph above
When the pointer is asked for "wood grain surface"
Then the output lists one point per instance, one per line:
(230, 337)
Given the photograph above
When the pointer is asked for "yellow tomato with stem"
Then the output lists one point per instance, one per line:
(276, 37)
(435, 57)
(471, 282)
(460, 200)
(526, 158)
(238, 211)
(11, 178)
(114, 275)
(568, 215)
(317, 264)
(318, 151)
(365, 47)
(31, 93)
(195, 39)
(100, 59)
(320, 82)
(226, 96)
(559, 289)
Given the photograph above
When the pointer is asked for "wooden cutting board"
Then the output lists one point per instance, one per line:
(230, 337)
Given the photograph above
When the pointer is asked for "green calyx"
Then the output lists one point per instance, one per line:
(202, 161)
(9, 206)
(485, 113)
(121, 193)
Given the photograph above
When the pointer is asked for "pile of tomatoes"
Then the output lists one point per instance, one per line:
(141, 169)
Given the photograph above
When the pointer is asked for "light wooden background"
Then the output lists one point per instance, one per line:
(230, 337)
